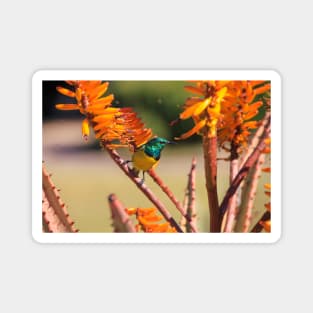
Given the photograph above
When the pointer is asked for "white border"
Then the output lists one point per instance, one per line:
(110, 75)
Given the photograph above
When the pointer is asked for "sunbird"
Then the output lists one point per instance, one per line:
(147, 156)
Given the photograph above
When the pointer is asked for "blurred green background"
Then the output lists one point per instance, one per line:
(86, 175)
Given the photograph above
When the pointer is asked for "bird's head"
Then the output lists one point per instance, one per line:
(154, 146)
(159, 143)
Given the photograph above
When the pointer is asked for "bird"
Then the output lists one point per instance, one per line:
(147, 156)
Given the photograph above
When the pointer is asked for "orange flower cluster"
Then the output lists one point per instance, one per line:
(204, 110)
(224, 109)
(116, 127)
(148, 221)
(238, 110)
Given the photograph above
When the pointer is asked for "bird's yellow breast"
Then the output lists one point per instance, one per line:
(142, 161)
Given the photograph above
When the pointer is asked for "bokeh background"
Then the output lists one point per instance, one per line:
(86, 175)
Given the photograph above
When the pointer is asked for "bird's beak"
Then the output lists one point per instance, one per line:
(172, 142)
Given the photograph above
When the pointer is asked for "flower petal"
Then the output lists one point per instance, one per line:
(142, 138)
(103, 124)
(251, 114)
(253, 107)
(251, 124)
(67, 107)
(221, 93)
(101, 102)
(98, 91)
(262, 89)
(145, 211)
(66, 92)
(256, 82)
(199, 106)
(202, 106)
(192, 131)
(194, 90)
(131, 211)
(85, 129)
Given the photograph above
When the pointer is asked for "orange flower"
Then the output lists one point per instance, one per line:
(115, 127)
(131, 211)
(205, 110)
(148, 221)
(224, 108)
(88, 96)
(238, 110)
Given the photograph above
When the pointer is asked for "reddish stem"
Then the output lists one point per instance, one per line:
(248, 196)
(171, 196)
(210, 163)
(121, 220)
(232, 207)
(191, 187)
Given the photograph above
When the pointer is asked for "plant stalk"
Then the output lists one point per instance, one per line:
(232, 207)
(248, 196)
(191, 206)
(121, 220)
(171, 196)
(210, 166)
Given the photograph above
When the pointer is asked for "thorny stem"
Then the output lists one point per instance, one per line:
(144, 189)
(232, 207)
(210, 163)
(245, 169)
(121, 220)
(191, 206)
(248, 196)
(182, 221)
(171, 196)
(55, 217)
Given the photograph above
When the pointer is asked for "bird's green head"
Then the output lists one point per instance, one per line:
(154, 146)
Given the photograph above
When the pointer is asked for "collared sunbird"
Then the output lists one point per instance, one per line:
(148, 155)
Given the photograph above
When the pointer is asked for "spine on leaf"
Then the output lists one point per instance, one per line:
(55, 218)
